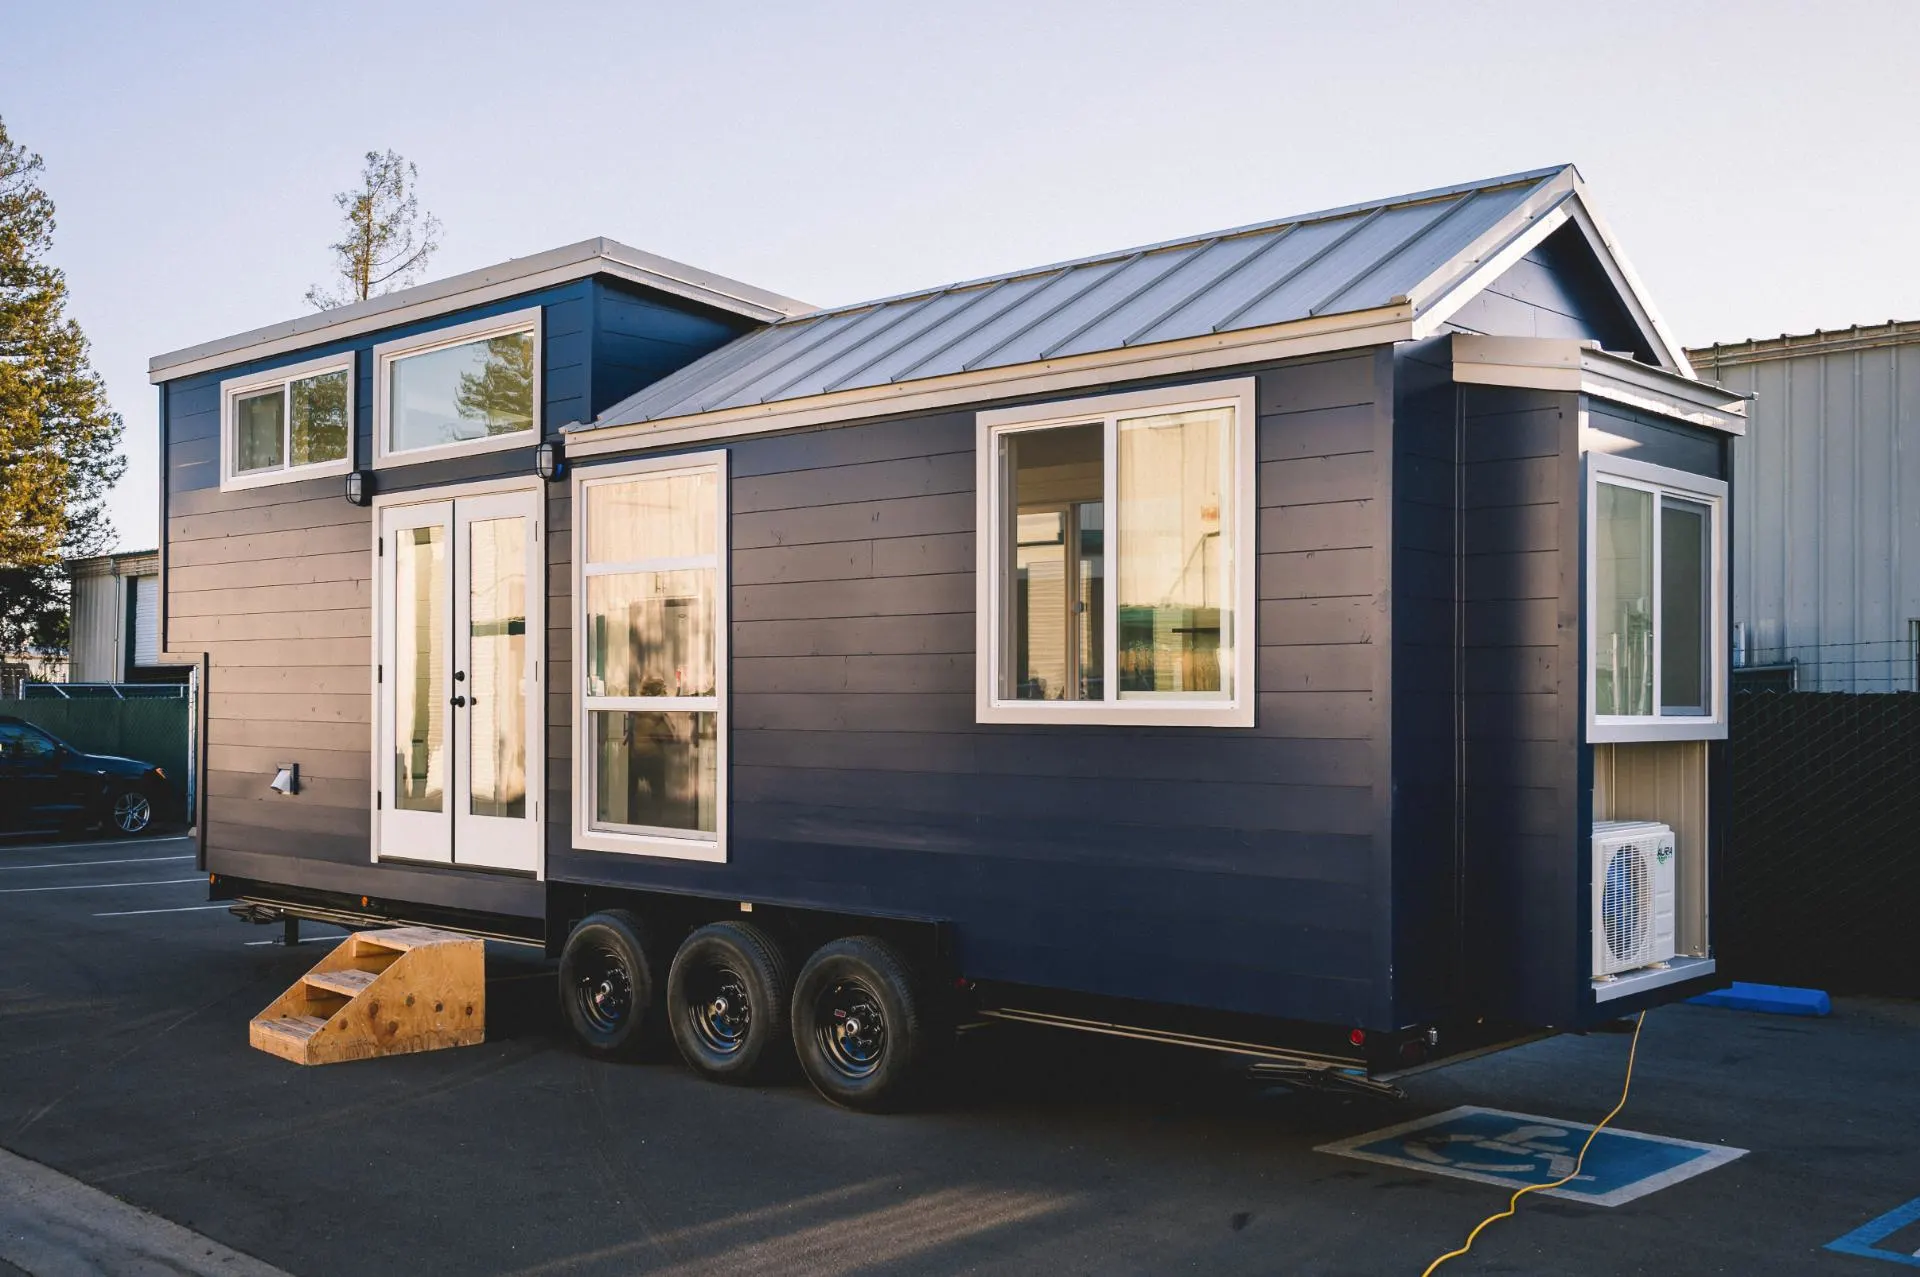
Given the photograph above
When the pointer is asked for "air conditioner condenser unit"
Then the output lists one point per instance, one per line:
(1633, 895)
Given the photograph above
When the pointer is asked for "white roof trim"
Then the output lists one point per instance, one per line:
(475, 288)
(1547, 363)
(1563, 200)
(1290, 340)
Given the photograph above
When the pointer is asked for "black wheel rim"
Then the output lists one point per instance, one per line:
(850, 1028)
(603, 990)
(718, 1009)
(132, 812)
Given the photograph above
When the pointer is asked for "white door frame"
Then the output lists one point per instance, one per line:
(457, 506)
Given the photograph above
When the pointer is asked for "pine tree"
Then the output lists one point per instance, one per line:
(385, 241)
(59, 441)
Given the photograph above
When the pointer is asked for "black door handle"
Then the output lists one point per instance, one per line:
(459, 702)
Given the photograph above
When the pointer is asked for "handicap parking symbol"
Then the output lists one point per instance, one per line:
(1493, 1146)
(1874, 1240)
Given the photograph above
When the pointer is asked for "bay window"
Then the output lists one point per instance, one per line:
(1656, 606)
(1116, 559)
(651, 658)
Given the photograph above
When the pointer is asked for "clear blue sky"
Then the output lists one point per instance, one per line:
(1754, 159)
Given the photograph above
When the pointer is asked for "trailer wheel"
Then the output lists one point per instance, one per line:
(727, 996)
(606, 984)
(858, 1027)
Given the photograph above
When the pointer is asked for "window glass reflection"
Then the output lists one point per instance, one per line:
(651, 633)
(1173, 562)
(460, 393)
(656, 769)
(259, 431)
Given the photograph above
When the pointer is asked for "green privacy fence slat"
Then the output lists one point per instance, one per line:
(153, 731)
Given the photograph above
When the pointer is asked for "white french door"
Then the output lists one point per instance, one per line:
(457, 762)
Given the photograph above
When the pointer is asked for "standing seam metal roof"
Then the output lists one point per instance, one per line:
(1355, 258)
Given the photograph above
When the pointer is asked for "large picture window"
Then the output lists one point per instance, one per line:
(1656, 606)
(469, 388)
(1116, 559)
(287, 424)
(651, 656)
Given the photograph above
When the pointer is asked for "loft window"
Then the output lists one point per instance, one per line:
(1656, 604)
(652, 658)
(1116, 559)
(287, 424)
(470, 388)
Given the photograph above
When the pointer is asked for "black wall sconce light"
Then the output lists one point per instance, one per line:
(359, 487)
(550, 460)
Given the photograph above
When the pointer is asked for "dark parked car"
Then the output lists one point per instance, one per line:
(47, 784)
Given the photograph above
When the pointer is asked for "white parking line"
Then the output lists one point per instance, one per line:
(109, 842)
(98, 886)
(77, 864)
(134, 913)
(302, 940)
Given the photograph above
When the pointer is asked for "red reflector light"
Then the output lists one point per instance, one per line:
(1358, 1037)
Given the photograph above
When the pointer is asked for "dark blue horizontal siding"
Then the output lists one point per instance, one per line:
(1235, 868)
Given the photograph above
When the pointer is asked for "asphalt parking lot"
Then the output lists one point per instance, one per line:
(124, 1000)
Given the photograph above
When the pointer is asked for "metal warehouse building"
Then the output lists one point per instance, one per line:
(1826, 555)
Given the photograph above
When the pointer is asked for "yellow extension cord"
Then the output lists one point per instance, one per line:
(1572, 1175)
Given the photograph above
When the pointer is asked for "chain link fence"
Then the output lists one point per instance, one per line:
(150, 729)
(1821, 882)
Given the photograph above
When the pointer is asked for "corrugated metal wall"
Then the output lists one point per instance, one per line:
(98, 630)
(1826, 518)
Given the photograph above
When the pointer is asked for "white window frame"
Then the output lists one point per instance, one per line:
(1695, 489)
(237, 388)
(711, 848)
(990, 554)
(388, 353)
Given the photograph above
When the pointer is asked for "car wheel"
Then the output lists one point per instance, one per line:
(858, 1026)
(727, 1000)
(607, 985)
(130, 812)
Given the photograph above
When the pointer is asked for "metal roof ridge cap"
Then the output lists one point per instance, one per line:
(1231, 232)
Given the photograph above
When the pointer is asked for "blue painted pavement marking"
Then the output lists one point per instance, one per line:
(1861, 1241)
(1493, 1146)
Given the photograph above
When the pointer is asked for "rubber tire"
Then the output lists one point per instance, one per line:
(753, 955)
(617, 933)
(877, 964)
(111, 825)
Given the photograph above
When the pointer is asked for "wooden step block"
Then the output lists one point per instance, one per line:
(426, 990)
(286, 1036)
(346, 982)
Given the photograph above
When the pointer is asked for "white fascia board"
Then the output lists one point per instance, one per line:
(476, 288)
(1548, 363)
(1382, 326)
(1457, 281)
(1563, 200)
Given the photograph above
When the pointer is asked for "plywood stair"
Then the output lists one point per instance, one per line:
(381, 993)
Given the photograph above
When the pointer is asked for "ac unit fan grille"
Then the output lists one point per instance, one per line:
(1626, 909)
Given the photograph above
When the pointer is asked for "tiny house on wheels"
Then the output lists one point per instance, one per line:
(1307, 640)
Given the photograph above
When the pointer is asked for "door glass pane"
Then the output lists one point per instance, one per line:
(651, 633)
(667, 516)
(419, 674)
(1685, 646)
(319, 418)
(1623, 601)
(1174, 560)
(471, 391)
(497, 672)
(259, 431)
(1055, 646)
(656, 769)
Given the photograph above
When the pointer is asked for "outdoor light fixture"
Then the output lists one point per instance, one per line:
(550, 460)
(359, 487)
